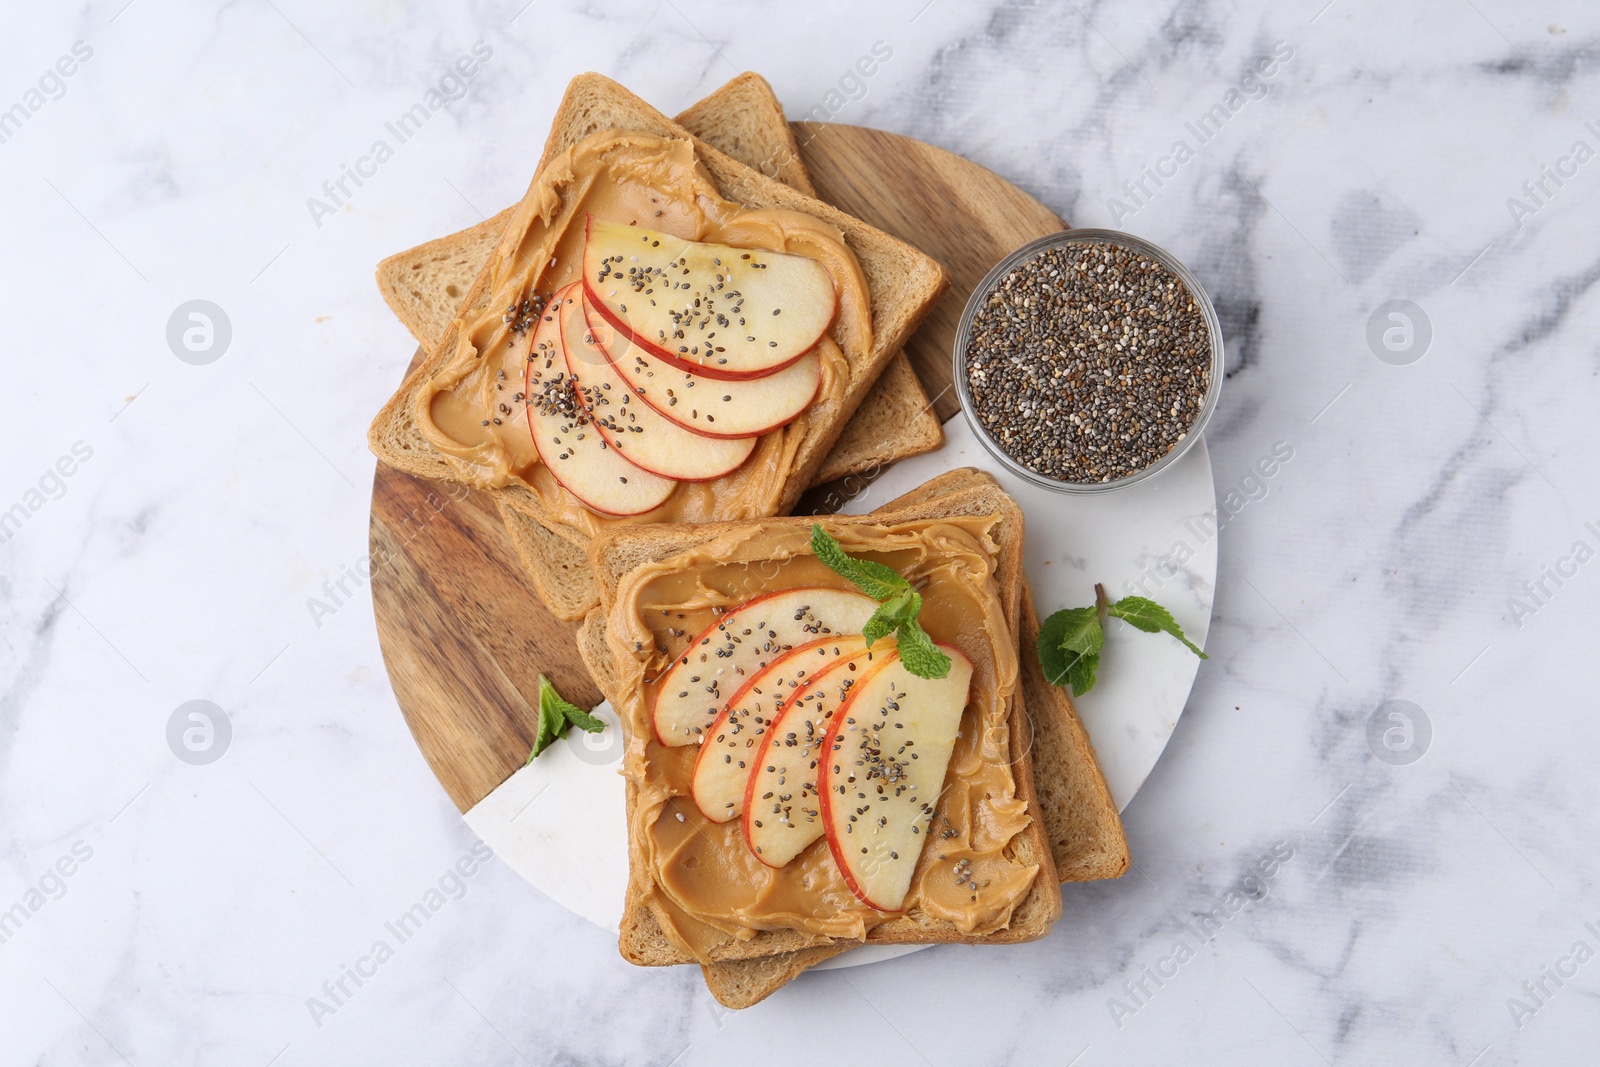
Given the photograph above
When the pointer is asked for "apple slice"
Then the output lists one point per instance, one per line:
(716, 310)
(643, 435)
(721, 658)
(708, 406)
(882, 770)
(782, 814)
(728, 754)
(568, 444)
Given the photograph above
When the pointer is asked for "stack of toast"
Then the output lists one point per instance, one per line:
(1073, 832)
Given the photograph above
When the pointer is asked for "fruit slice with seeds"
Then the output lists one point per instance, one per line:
(568, 443)
(721, 658)
(641, 434)
(707, 406)
(782, 814)
(728, 754)
(882, 771)
(713, 309)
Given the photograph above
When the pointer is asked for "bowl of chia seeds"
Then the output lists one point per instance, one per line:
(1088, 360)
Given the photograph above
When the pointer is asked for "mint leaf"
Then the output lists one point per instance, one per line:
(568, 710)
(1080, 673)
(1069, 647)
(583, 720)
(891, 615)
(897, 612)
(556, 715)
(918, 652)
(880, 625)
(1080, 630)
(552, 724)
(878, 581)
(1070, 640)
(1147, 615)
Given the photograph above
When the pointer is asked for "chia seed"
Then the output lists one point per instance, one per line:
(1088, 362)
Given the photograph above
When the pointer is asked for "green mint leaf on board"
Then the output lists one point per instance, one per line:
(1080, 630)
(1080, 672)
(899, 605)
(1070, 641)
(556, 714)
(878, 581)
(918, 653)
(1069, 647)
(1151, 617)
(552, 724)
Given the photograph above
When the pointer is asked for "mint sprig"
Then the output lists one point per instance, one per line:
(556, 716)
(898, 607)
(877, 580)
(1070, 640)
(1150, 617)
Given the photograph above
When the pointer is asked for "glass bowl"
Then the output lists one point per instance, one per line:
(1100, 237)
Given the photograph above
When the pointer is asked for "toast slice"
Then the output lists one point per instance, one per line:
(1081, 821)
(903, 285)
(617, 552)
(744, 119)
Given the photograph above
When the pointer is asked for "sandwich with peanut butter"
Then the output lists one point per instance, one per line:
(826, 738)
(661, 335)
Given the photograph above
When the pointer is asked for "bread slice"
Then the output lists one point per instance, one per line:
(895, 420)
(424, 286)
(617, 552)
(903, 284)
(1081, 821)
(744, 119)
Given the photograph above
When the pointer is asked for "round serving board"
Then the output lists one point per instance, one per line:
(465, 637)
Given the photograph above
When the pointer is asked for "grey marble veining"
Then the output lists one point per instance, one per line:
(1303, 893)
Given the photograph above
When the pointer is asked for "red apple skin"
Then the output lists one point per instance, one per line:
(778, 662)
(612, 436)
(824, 793)
(600, 323)
(539, 443)
(766, 746)
(672, 358)
(710, 632)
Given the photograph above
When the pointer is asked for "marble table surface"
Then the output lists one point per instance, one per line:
(1372, 837)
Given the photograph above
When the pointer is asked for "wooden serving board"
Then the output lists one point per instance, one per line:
(465, 637)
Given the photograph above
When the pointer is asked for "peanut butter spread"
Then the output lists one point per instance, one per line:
(705, 886)
(471, 409)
